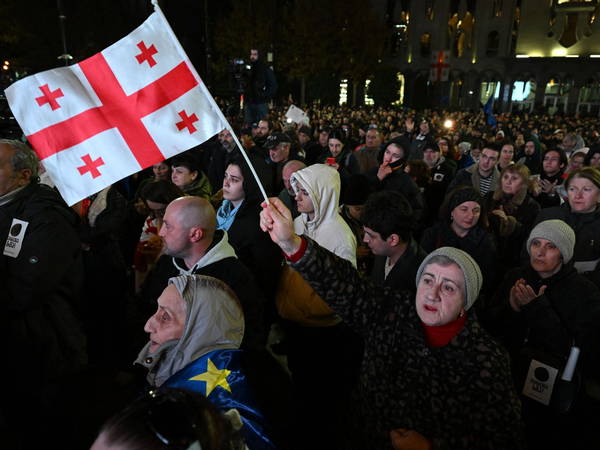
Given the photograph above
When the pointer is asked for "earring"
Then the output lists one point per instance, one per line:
(462, 313)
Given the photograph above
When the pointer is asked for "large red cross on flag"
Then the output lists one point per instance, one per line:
(440, 66)
(132, 105)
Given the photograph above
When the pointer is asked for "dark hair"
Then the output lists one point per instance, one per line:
(492, 146)
(252, 192)
(339, 135)
(387, 213)
(591, 152)
(187, 161)
(161, 191)
(420, 172)
(171, 418)
(561, 155)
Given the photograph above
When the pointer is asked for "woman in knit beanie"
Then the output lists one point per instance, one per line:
(460, 227)
(547, 306)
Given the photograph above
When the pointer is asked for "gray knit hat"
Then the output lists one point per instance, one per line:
(557, 232)
(470, 270)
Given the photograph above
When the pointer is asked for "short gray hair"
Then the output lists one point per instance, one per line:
(23, 158)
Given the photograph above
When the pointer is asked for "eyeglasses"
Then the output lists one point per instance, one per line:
(167, 416)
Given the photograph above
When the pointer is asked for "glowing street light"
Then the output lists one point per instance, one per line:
(448, 123)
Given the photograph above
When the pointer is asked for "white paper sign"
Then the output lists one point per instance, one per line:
(12, 247)
(540, 382)
(296, 115)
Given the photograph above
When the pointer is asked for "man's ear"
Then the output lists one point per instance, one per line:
(393, 239)
(196, 234)
(24, 176)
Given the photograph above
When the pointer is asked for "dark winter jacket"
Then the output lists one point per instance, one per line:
(459, 395)
(400, 181)
(402, 276)
(587, 238)
(40, 291)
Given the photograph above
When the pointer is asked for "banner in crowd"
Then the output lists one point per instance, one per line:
(136, 103)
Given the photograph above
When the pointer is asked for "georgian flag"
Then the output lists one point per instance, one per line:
(138, 102)
(440, 66)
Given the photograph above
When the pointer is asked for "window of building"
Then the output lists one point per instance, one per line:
(493, 44)
(425, 44)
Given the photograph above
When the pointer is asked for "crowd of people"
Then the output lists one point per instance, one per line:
(415, 280)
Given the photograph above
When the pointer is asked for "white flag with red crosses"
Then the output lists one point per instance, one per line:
(138, 102)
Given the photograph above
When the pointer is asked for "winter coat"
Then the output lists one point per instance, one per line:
(521, 210)
(586, 254)
(477, 242)
(471, 177)
(402, 276)
(566, 314)
(296, 300)
(40, 293)
(458, 396)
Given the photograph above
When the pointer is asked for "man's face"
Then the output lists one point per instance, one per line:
(286, 173)
(253, 55)
(280, 153)
(440, 294)
(303, 138)
(225, 136)
(545, 257)
(487, 161)
(175, 236)
(529, 148)
(9, 179)
(372, 138)
(376, 243)
(430, 156)
(303, 202)
(168, 321)
(323, 138)
(551, 163)
(424, 128)
(263, 128)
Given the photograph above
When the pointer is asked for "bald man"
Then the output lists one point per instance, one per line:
(192, 245)
(287, 194)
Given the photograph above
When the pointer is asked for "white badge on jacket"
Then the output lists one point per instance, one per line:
(12, 247)
(539, 383)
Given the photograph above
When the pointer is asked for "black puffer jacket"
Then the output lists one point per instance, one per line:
(459, 396)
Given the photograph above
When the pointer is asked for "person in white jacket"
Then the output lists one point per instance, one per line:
(317, 189)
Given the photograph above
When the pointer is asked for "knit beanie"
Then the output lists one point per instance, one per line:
(470, 270)
(461, 195)
(557, 232)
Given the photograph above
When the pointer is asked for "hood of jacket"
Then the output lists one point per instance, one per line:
(214, 320)
(323, 185)
(220, 249)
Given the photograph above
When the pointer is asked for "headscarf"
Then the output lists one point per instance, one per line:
(214, 320)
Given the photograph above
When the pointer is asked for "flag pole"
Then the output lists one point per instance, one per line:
(213, 104)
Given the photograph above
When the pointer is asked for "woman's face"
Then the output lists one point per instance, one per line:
(545, 257)
(595, 160)
(392, 154)
(511, 183)
(181, 176)
(168, 321)
(507, 153)
(335, 147)
(233, 181)
(584, 195)
(440, 294)
(161, 171)
(466, 215)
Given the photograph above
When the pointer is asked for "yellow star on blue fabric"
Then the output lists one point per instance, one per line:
(213, 377)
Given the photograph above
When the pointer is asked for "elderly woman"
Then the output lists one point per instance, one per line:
(582, 214)
(547, 306)
(511, 213)
(428, 366)
(194, 344)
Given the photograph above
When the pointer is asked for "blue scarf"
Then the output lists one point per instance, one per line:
(226, 215)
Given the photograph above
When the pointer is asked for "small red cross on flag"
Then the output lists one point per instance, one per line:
(136, 103)
(440, 66)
